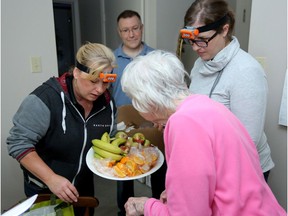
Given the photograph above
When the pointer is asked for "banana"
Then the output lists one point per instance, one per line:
(105, 137)
(118, 141)
(106, 154)
(106, 146)
(97, 156)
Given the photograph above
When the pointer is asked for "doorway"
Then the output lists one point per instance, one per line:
(64, 35)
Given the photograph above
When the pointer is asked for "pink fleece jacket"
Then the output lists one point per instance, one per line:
(213, 166)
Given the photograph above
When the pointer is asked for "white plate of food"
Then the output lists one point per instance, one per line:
(92, 163)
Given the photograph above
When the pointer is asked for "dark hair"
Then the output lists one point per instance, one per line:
(128, 14)
(210, 11)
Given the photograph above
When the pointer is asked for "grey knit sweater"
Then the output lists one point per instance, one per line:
(242, 88)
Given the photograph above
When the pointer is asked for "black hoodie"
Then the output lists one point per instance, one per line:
(51, 122)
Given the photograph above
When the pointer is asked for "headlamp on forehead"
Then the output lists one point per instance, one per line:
(106, 77)
(190, 32)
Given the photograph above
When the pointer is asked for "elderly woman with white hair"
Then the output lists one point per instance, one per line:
(213, 164)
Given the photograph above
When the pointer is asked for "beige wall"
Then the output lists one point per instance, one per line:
(268, 38)
(27, 30)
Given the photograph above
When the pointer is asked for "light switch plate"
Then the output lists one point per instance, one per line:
(35, 62)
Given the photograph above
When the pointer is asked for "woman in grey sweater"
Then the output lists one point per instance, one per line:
(227, 73)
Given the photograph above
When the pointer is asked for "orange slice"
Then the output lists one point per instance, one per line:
(124, 160)
(119, 172)
(137, 172)
(131, 165)
(139, 160)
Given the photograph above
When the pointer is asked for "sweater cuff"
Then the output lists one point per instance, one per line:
(23, 154)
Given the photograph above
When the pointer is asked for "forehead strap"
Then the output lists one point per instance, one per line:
(214, 25)
(82, 67)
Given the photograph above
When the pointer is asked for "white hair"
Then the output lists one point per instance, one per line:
(155, 82)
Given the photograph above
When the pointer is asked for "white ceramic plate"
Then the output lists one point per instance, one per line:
(90, 160)
(21, 207)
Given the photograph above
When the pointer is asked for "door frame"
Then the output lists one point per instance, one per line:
(76, 20)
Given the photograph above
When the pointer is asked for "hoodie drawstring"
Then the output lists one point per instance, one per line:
(63, 113)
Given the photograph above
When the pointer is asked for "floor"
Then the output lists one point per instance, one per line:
(105, 191)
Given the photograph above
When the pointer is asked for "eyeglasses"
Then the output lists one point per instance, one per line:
(201, 43)
(135, 29)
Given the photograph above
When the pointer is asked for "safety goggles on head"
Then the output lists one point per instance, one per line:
(105, 77)
(189, 33)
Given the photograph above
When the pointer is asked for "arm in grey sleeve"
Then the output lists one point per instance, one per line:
(249, 100)
(30, 124)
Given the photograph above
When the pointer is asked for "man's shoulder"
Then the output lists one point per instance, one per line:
(147, 48)
(117, 50)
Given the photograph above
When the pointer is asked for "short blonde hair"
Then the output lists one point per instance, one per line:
(96, 57)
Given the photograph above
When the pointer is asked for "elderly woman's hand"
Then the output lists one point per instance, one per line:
(163, 197)
(135, 206)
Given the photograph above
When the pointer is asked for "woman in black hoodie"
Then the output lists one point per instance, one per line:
(55, 124)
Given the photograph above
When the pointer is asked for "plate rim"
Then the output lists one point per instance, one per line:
(20, 208)
(89, 157)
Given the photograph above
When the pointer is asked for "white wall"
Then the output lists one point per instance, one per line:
(27, 30)
(169, 21)
(268, 38)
